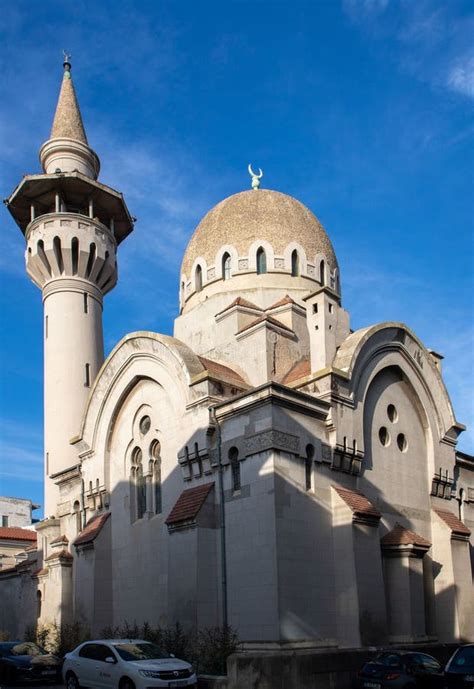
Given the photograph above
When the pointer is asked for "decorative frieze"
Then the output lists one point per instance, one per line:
(271, 440)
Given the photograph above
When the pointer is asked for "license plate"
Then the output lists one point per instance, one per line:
(48, 672)
(179, 683)
(372, 685)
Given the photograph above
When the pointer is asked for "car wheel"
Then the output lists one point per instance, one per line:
(71, 681)
(126, 683)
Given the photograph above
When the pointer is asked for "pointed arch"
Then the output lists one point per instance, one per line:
(226, 266)
(261, 261)
(322, 272)
(198, 278)
(295, 263)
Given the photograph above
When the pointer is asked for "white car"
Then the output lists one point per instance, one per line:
(125, 664)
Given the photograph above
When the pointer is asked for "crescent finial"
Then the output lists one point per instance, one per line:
(255, 178)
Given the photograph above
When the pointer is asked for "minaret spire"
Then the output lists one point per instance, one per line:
(72, 226)
(67, 149)
(67, 123)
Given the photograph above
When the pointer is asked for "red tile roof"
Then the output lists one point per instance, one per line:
(222, 372)
(401, 536)
(299, 370)
(456, 525)
(189, 503)
(92, 529)
(359, 504)
(268, 319)
(15, 533)
(60, 555)
(281, 302)
(240, 301)
(40, 572)
(60, 539)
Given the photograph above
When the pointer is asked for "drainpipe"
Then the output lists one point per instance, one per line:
(222, 518)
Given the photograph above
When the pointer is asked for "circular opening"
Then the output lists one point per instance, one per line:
(384, 436)
(145, 425)
(392, 413)
(402, 442)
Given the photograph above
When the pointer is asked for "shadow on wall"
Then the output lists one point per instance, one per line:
(298, 565)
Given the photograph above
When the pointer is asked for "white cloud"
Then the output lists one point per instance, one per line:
(460, 77)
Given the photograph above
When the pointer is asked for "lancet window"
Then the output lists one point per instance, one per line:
(235, 468)
(308, 467)
(198, 278)
(155, 471)
(295, 263)
(226, 266)
(261, 261)
(138, 482)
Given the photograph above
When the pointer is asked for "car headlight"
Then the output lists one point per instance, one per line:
(151, 674)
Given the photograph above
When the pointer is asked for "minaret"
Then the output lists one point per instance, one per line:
(72, 226)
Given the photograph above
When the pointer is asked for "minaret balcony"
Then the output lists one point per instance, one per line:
(72, 193)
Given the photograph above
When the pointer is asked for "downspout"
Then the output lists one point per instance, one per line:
(222, 518)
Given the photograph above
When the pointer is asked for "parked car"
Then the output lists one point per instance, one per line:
(22, 661)
(459, 671)
(125, 664)
(400, 669)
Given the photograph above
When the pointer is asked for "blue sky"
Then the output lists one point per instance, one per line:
(362, 109)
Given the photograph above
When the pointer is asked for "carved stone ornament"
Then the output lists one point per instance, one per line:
(271, 440)
(211, 273)
(279, 263)
(243, 263)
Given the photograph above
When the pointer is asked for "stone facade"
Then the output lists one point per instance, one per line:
(315, 466)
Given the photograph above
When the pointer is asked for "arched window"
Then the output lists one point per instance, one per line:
(322, 271)
(235, 468)
(261, 261)
(295, 264)
(75, 254)
(198, 279)
(76, 508)
(155, 455)
(39, 600)
(308, 467)
(138, 486)
(226, 266)
(58, 254)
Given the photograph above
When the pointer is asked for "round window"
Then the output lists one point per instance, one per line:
(145, 425)
(384, 436)
(402, 442)
(392, 413)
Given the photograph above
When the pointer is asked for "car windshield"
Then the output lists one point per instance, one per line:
(24, 648)
(138, 651)
(388, 659)
(464, 658)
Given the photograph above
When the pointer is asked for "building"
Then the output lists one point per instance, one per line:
(16, 529)
(266, 465)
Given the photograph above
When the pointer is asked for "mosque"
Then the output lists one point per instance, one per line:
(266, 466)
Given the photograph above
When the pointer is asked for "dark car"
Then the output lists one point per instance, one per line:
(459, 671)
(24, 661)
(400, 670)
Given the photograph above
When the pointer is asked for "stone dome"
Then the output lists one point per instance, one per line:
(253, 216)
